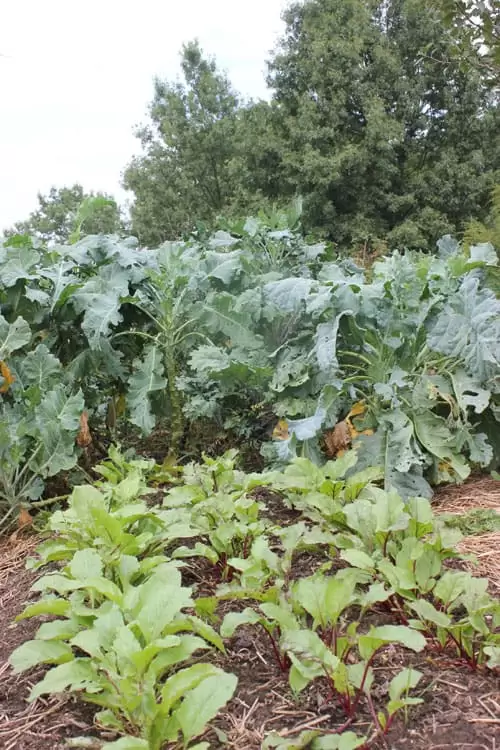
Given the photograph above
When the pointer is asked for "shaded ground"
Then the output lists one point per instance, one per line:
(461, 709)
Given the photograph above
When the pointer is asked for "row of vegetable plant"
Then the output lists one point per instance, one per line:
(127, 632)
(244, 329)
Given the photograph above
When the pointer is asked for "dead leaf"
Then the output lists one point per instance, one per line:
(8, 377)
(84, 438)
(357, 410)
(338, 439)
(24, 519)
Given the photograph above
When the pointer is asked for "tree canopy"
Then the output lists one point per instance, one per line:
(183, 174)
(475, 26)
(67, 210)
(372, 118)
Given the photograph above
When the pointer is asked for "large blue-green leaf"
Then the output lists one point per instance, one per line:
(469, 393)
(13, 336)
(62, 277)
(39, 367)
(326, 344)
(222, 316)
(447, 246)
(62, 408)
(100, 300)
(288, 294)
(393, 446)
(103, 360)
(147, 378)
(309, 427)
(208, 358)
(468, 328)
(484, 253)
(18, 263)
(436, 437)
(56, 424)
(292, 368)
(222, 239)
(103, 249)
(223, 266)
(480, 450)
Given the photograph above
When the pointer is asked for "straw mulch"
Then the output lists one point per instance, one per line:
(478, 493)
(475, 493)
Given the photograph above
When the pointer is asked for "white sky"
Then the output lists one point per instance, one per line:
(75, 78)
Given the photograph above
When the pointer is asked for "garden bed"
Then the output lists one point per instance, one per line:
(461, 708)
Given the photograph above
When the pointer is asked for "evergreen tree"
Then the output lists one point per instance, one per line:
(382, 139)
(183, 175)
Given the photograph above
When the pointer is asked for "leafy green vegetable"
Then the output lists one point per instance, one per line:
(134, 646)
(210, 327)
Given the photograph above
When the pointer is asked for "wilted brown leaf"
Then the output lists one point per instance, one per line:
(24, 519)
(338, 439)
(84, 438)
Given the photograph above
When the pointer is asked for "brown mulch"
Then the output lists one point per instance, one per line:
(461, 709)
(44, 724)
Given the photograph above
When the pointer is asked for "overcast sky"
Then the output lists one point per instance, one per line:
(75, 78)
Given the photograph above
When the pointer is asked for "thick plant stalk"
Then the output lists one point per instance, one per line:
(177, 417)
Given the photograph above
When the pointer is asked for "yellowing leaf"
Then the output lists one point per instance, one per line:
(357, 410)
(355, 433)
(8, 377)
(280, 432)
(121, 405)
